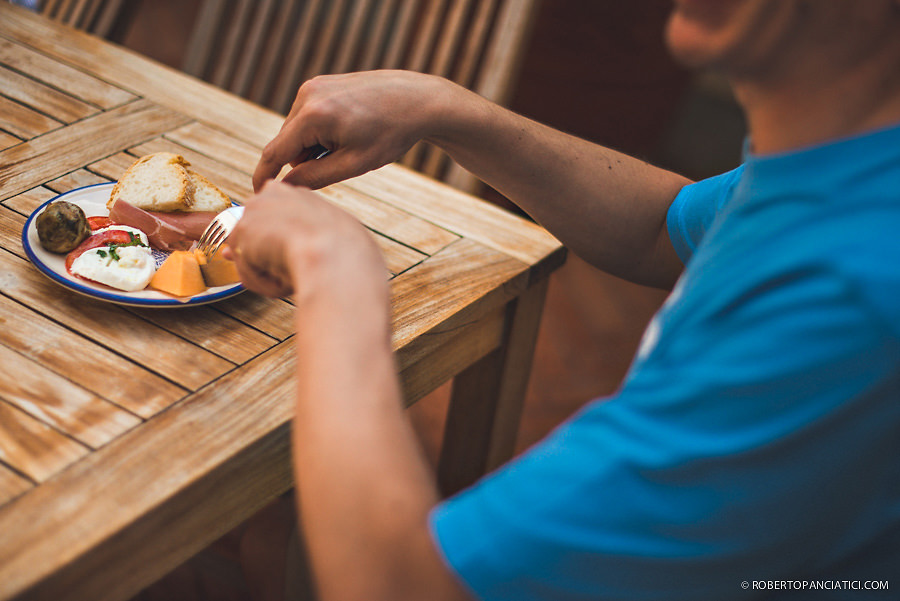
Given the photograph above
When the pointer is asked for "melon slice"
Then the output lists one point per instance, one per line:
(220, 273)
(217, 271)
(179, 275)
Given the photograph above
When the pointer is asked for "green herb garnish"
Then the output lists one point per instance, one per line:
(135, 241)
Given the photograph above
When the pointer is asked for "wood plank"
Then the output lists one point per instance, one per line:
(11, 484)
(11, 225)
(459, 347)
(43, 98)
(7, 140)
(162, 85)
(52, 399)
(113, 166)
(73, 81)
(144, 343)
(487, 399)
(32, 447)
(89, 365)
(26, 165)
(458, 212)
(157, 513)
(23, 122)
(217, 145)
(76, 179)
(26, 202)
(437, 289)
(273, 316)
(210, 329)
(523, 323)
(398, 257)
(386, 219)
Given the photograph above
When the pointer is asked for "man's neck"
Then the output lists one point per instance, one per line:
(811, 105)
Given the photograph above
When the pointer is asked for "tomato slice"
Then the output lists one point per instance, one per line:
(98, 222)
(102, 239)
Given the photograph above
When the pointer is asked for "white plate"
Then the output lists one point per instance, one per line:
(92, 200)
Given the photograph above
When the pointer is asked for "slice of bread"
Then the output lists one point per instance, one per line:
(163, 182)
(207, 197)
(156, 182)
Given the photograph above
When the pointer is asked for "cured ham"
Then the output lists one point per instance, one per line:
(166, 231)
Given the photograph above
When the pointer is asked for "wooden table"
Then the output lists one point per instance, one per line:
(132, 438)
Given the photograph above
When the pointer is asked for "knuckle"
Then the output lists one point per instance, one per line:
(308, 88)
(270, 151)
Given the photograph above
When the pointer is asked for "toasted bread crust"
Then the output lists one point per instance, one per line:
(157, 182)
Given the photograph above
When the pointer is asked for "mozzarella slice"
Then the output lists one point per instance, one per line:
(126, 228)
(131, 272)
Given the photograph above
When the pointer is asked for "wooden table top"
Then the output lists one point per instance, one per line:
(131, 437)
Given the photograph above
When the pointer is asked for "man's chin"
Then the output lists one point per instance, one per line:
(689, 43)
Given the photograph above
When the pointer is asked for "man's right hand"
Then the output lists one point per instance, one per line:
(366, 120)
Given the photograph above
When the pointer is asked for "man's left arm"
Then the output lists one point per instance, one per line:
(363, 488)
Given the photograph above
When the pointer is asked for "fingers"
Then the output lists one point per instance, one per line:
(261, 282)
(316, 174)
(257, 256)
(266, 169)
(257, 277)
(273, 161)
(294, 143)
(283, 149)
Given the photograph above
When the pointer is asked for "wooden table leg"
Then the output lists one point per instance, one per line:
(487, 398)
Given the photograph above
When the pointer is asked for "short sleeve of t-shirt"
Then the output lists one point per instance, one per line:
(695, 207)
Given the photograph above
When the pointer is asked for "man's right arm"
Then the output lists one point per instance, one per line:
(607, 207)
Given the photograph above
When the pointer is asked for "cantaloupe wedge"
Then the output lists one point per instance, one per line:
(220, 273)
(217, 271)
(179, 275)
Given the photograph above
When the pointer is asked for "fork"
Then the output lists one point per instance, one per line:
(223, 223)
(218, 230)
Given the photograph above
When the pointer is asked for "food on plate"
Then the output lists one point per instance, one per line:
(106, 238)
(207, 197)
(179, 275)
(62, 226)
(167, 231)
(98, 222)
(185, 272)
(158, 207)
(156, 182)
(217, 271)
(164, 182)
(162, 196)
(138, 234)
(127, 268)
(116, 256)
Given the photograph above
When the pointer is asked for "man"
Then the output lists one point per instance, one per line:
(755, 440)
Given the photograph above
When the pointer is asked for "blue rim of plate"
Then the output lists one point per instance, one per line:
(119, 298)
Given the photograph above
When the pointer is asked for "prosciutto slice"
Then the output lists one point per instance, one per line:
(166, 231)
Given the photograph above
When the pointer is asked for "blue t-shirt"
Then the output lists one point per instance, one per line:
(754, 446)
